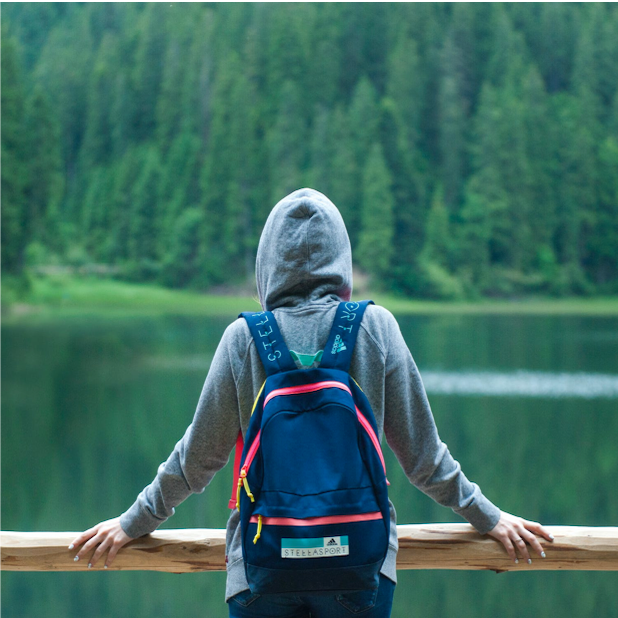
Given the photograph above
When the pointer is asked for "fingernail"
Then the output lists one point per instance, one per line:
(90, 565)
(529, 561)
(71, 546)
(516, 561)
(105, 567)
(543, 554)
(76, 559)
(551, 536)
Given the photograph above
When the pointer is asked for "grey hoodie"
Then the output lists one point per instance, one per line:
(303, 270)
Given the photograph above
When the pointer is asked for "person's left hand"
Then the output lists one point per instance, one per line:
(106, 535)
(514, 532)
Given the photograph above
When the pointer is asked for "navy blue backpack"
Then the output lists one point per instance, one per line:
(312, 487)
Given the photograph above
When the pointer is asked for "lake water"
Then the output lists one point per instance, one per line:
(91, 407)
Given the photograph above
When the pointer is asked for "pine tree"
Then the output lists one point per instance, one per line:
(321, 153)
(363, 118)
(144, 222)
(16, 174)
(95, 224)
(290, 29)
(325, 65)
(555, 45)
(343, 187)
(287, 141)
(408, 190)
(453, 126)
(170, 114)
(63, 70)
(181, 264)
(46, 187)
(510, 109)
(375, 246)
(148, 69)
(177, 186)
(124, 174)
(435, 259)
(98, 146)
(473, 238)
(603, 241)
(438, 245)
(486, 201)
(239, 236)
(576, 189)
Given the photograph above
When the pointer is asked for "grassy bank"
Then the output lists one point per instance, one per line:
(68, 295)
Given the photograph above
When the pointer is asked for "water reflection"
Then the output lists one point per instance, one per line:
(522, 384)
(90, 408)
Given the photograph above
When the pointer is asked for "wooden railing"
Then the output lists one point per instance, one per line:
(421, 546)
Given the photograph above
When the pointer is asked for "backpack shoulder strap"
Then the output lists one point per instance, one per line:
(269, 342)
(342, 339)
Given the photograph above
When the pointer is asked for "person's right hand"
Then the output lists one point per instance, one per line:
(106, 535)
(514, 532)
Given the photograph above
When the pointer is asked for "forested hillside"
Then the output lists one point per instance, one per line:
(471, 148)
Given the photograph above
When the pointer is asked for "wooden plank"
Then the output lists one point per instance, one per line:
(421, 546)
(459, 546)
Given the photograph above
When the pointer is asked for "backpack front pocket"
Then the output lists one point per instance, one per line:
(308, 553)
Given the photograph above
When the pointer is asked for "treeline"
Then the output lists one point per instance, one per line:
(471, 148)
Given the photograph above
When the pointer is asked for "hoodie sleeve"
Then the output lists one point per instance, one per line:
(198, 455)
(411, 433)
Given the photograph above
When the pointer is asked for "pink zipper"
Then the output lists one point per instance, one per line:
(317, 521)
(306, 388)
(309, 388)
(372, 434)
(251, 453)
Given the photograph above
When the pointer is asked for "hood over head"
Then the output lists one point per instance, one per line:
(304, 252)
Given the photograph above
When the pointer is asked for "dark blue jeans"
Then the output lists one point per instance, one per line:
(367, 604)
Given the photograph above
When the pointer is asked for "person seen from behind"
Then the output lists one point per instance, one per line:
(303, 272)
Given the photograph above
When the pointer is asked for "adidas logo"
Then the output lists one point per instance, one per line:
(332, 542)
(338, 346)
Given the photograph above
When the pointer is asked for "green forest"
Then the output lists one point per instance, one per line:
(472, 148)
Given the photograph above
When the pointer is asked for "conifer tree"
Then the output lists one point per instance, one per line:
(98, 146)
(16, 224)
(408, 195)
(124, 174)
(343, 187)
(435, 260)
(216, 175)
(453, 126)
(375, 246)
(363, 117)
(239, 235)
(438, 244)
(144, 221)
(286, 144)
(148, 69)
(170, 113)
(325, 66)
(46, 186)
(177, 186)
(181, 264)
(602, 247)
(509, 108)
(484, 214)
(95, 237)
(320, 172)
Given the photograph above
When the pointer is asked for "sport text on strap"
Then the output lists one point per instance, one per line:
(269, 342)
(342, 338)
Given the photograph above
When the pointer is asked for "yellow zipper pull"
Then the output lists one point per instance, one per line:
(243, 476)
(259, 530)
(238, 493)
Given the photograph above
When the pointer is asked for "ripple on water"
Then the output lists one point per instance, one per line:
(522, 384)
